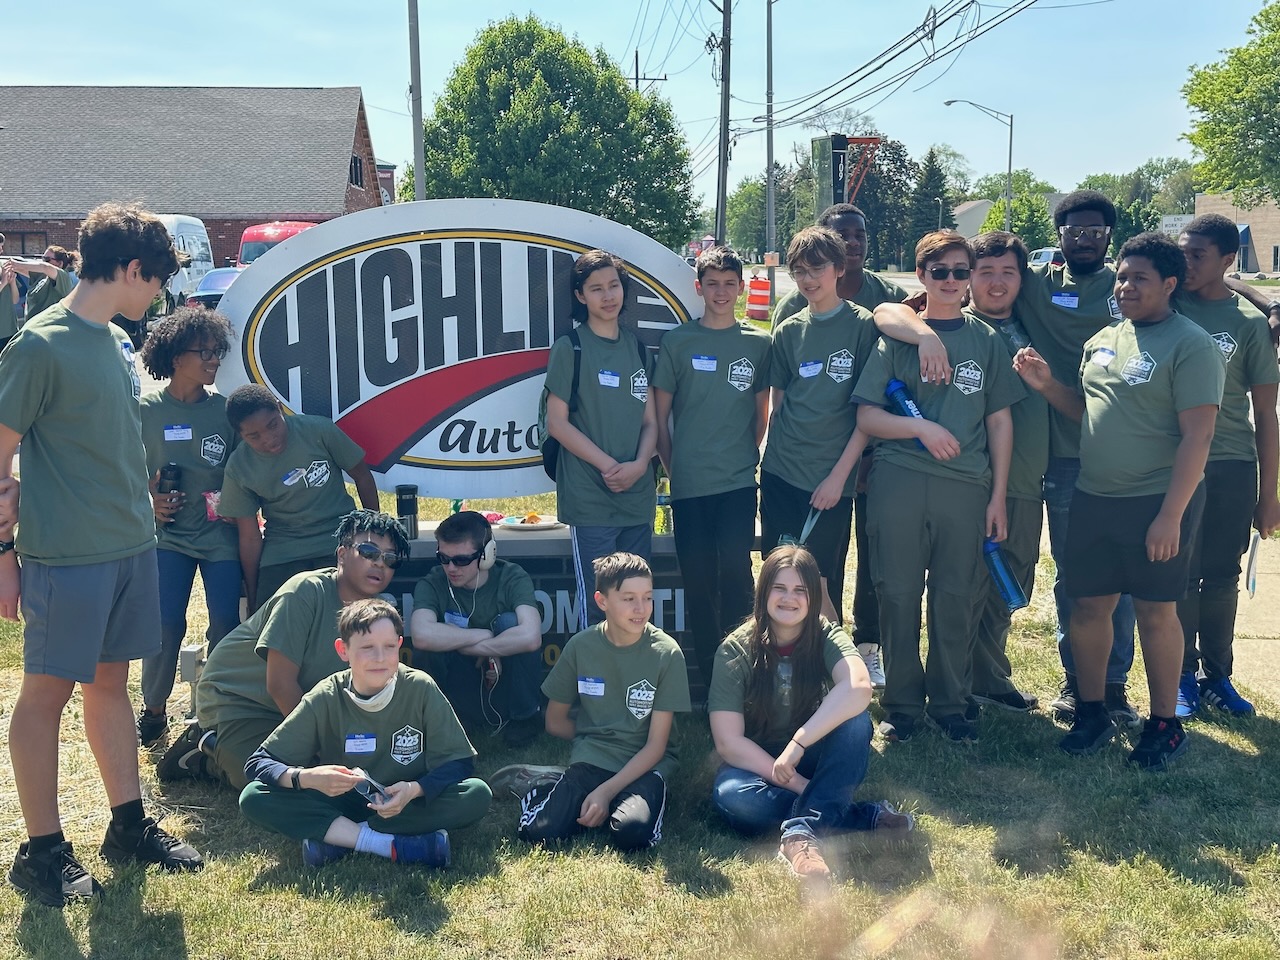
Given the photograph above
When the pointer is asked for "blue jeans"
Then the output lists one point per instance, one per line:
(835, 766)
(1059, 485)
(222, 598)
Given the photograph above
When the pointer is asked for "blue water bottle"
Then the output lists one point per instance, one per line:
(900, 399)
(1010, 589)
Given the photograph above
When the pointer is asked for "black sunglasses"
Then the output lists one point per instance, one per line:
(941, 273)
(464, 560)
(372, 552)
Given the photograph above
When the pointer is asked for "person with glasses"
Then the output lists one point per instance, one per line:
(937, 489)
(319, 778)
(477, 630)
(808, 470)
(259, 672)
(55, 281)
(185, 424)
(290, 469)
(87, 537)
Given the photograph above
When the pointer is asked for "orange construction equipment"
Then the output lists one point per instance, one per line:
(757, 298)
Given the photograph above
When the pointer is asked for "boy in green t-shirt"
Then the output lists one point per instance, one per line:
(937, 488)
(1151, 388)
(627, 679)
(87, 536)
(372, 760)
(477, 630)
(712, 382)
(1242, 459)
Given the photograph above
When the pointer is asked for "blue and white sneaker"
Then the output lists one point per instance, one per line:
(431, 849)
(1221, 695)
(1188, 697)
(316, 853)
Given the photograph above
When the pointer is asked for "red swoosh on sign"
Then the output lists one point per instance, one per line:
(387, 425)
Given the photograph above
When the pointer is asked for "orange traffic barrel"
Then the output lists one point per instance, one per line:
(757, 298)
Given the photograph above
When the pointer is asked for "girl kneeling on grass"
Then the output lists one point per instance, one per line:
(788, 708)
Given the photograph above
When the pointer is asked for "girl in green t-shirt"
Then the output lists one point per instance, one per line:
(788, 710)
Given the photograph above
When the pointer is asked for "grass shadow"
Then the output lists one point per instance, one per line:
(119, 926)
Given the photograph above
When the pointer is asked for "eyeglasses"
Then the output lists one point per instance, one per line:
(1093, 233)
(800, 274)
(207, 355)
(373, 553)
(464, 560)
(941, 273)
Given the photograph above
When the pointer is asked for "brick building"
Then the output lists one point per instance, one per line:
(232, 156)
(1259, 230)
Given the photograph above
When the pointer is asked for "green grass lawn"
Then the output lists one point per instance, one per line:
(1021, 852)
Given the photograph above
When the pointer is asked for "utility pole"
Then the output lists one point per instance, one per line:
(415, 96)
(722, 173)
(639, 78)
(770, 195)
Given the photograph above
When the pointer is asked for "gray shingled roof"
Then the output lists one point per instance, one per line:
(204, 151)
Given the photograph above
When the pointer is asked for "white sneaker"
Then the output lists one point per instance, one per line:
(875, 669)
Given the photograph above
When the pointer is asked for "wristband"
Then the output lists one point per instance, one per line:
(798, 744)
(5, 546)
(295, 775)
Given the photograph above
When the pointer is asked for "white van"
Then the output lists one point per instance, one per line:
(191, 238)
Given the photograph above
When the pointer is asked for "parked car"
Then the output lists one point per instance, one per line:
(261, 237)
(191, 238)
(212, 287)
(1051, 255)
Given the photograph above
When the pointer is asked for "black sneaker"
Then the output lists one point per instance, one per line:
(145, 842)
(151, 726)
(186, 756)
(972, 709)
(52, 877)
(897, 727)
(1091, 730)
(957, 728)
(1012, 700)
(1162, 742)
(1122, 712)
(520, 779)
(1063, 705)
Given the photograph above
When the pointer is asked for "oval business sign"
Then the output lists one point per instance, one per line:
(423, 330)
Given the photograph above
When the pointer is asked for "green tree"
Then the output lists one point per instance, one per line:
(1142, 195)
(531, 115)
(955, 165)
(1237, 106)
(883, 198)
(991, 186)
(744, 214)
(1031, 220)
(929, 206)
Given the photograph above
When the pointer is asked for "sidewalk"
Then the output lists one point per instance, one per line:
(1257, 645)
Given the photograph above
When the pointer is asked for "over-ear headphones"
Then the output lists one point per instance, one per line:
(490, 554)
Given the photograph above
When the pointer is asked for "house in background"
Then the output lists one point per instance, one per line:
(232, 156)
(970, 215)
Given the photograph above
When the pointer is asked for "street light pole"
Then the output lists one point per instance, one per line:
(415, 82)
(938, 200)
(770, 197)
(1007, 119)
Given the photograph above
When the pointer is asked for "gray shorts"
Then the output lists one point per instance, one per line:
(81, 615)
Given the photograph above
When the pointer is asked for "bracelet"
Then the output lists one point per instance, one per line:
(295, 775)
(798, 743)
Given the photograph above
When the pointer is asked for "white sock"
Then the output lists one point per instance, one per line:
(370, 841)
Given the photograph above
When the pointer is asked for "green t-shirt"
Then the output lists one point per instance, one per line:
(731, 677)
(714, 377)
(1136, 380)
(982, 383)
(1030, 420)
(816, 364)
(198, 438)
(1060, 312)
(69, 387)
(612, 391)
(300, 490)
(616, 689)
(8, 311)
(415, 733)
(47, 291)
(299, 621)
(875, 291)
(507, 587)
(1242, 335)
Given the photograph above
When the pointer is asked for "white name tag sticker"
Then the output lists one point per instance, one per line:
(457, 619)
(591, 686)
(177, 431)
(361, 743)
(1069, 300)
(1103, 357)
(293, 476)
(810, 368)
(609, 379)
(705, 364)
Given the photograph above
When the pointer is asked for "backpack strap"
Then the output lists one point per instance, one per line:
(576, 340)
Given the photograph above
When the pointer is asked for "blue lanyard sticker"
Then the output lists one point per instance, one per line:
(1103, 357)
(361, 743)
(1069, 300)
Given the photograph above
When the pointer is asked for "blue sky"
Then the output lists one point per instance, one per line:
(1093, 86)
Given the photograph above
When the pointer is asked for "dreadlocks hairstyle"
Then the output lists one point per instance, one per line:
(375, 524)
(808, 671)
